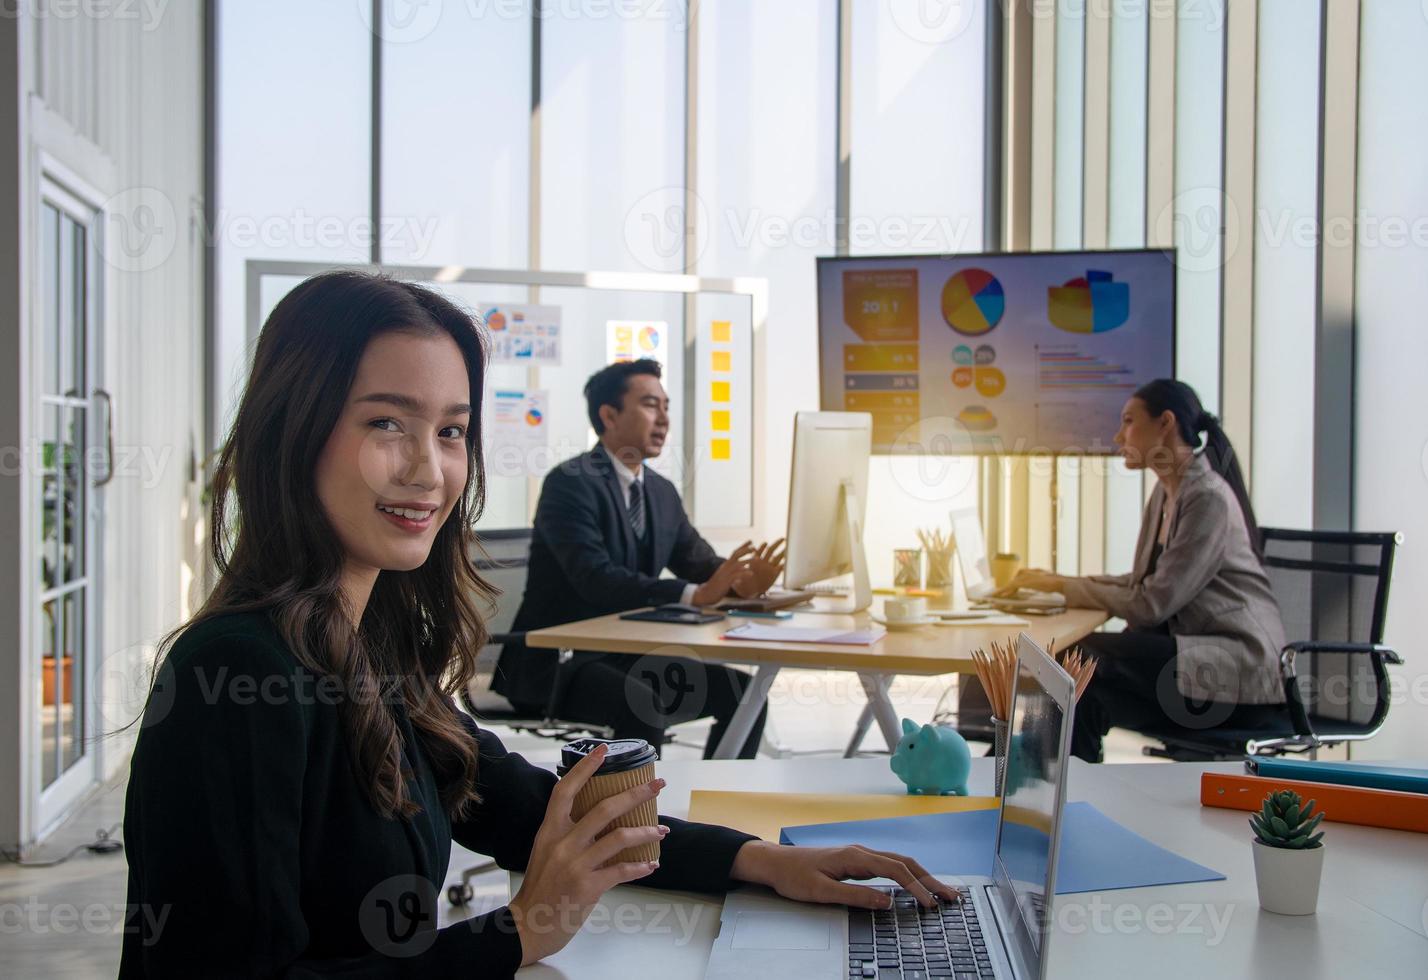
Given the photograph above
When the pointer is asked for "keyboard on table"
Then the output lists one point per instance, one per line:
(908, 942)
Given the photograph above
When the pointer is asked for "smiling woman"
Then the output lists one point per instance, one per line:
(303, 768)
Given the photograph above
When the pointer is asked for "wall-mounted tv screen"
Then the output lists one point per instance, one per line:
(1022, 353)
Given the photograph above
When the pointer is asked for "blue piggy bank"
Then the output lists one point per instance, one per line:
(932, 760)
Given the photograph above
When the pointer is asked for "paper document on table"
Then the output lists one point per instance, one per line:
(999, 619)
(805, 634)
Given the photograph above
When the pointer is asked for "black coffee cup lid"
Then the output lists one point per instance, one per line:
(622, 755)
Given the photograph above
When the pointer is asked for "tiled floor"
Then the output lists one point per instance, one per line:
(65, 921)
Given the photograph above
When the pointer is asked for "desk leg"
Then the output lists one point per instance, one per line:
(865, 721)
(881, 704)
(748, 711)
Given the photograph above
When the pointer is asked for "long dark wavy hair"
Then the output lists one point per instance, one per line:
(1168, 395)
(277, 553)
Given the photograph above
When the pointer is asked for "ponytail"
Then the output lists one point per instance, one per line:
(1221, 457)
(1191, 419)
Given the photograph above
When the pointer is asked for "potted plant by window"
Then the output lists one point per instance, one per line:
(1288, 854)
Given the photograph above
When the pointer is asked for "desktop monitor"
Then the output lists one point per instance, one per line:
(827, 501)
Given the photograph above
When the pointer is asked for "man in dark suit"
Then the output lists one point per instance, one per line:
(606, 526)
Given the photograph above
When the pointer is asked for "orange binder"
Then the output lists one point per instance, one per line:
(1342, 804)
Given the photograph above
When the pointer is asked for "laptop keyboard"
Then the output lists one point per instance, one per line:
(908, 942)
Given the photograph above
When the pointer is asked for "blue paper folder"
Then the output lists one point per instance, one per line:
(1097, 854)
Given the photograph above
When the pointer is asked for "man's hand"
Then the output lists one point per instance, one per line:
(1034, 579)
(719, 584)
(816, 874)
(764, 568)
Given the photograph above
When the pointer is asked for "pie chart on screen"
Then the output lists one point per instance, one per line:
(973, 302)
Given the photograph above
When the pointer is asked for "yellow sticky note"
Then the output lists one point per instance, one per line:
(718, 448)
(719, 360)
(719, 391)
(722, 331)
(719, 421)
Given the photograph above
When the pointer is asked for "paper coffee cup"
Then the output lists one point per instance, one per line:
(629, 762)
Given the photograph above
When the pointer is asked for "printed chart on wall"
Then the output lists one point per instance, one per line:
(1018, 353)
(633, 340)
(522, 333)
(516, 433)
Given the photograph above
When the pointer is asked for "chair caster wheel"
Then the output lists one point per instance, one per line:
(459, 895)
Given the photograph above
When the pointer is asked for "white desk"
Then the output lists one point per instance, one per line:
(924, 651)
(1373, 904)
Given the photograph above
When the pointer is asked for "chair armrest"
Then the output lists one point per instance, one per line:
(503, 638)
(1287, 655)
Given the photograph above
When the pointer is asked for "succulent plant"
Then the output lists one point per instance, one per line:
(1285, 821)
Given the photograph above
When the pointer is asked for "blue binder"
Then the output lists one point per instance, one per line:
(1340, 773)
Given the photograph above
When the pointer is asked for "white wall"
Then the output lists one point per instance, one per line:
(1391, 417)
(115, 96)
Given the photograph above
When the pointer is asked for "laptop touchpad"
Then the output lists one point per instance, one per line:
(776, 930)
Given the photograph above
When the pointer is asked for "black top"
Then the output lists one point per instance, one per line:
(585, 561)
(253, 851)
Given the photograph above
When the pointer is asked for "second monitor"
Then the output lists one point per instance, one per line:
(827, 502)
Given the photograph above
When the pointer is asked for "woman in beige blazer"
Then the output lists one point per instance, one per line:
(1203, 637)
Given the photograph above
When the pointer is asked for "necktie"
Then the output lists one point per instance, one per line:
(637, 508)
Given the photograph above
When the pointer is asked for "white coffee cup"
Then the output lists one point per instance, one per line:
(905, 610)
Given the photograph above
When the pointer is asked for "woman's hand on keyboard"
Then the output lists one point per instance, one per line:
(816, 874)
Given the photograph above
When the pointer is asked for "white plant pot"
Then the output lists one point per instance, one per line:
(1288, 879)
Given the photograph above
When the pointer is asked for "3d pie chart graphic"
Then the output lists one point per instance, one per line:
(1093, 303)
(649, 339)
(973, 302)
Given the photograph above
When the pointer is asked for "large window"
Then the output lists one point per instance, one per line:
(466, 160)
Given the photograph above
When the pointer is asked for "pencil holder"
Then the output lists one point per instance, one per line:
(907, 568)
(1000, 730)
(939, 569)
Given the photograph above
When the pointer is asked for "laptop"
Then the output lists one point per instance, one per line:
(977, 572)
(1001, 928)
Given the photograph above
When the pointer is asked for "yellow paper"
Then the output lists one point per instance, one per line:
(721, 331)
(765, 814)
(719, 421)
(718, 448)
(720, 360)
(719, 391)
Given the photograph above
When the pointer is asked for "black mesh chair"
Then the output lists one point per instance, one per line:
(501, 559)
(1332, 590)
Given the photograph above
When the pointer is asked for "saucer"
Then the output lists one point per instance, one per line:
(903, 624)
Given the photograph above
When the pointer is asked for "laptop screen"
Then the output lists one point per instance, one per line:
(971, 551)
(1032, 798)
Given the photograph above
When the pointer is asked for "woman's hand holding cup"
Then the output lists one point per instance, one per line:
(572, 862)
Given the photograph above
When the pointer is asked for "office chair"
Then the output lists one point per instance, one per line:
(501, 558)
(1332, 590)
